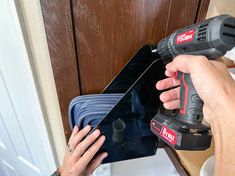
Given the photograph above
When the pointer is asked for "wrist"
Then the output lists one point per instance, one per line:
(57, 172)
(223, 131)
(223, 121)
(60, 171)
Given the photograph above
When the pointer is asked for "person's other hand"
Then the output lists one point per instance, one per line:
(80, 160)
(211, 80)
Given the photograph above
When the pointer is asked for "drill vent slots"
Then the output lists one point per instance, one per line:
(202, 32)
(231, 27)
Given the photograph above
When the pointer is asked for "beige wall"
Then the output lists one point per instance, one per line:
(40, 60)
(217, 7)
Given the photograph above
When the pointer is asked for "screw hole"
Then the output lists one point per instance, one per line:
(198, 117)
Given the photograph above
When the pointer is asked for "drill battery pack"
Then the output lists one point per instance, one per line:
(179, 135)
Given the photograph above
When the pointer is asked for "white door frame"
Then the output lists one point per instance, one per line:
(32, 82)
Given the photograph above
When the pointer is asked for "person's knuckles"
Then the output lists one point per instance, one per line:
(167, 83)
(188, 63)
(172, 104)
(170, 95)
(165, 96)
(162, 97)
(171, 67)
(81, 134)
(73, 142)
(101, 140)
(95, 147)
(176, 93)
(82, 148)
(85, 130)
(168, 73)
(75, 131)
(162, 86)
(93, 135)
(198, 62)
(172, 82)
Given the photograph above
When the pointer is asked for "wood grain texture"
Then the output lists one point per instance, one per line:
(181, 13)
(202, 10)
(59, 31)
(192, 161)
(108, 32)
(176, 160)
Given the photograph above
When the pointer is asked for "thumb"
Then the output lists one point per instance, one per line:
(186, 63)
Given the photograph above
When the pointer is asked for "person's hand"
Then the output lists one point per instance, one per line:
(211, 80)
(80, 160)
(216, 88)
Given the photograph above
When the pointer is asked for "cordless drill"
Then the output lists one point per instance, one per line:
(212, 38)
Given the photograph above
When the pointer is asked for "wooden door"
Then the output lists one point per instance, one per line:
(108, 32)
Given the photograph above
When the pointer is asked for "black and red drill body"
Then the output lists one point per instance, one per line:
(211, 38)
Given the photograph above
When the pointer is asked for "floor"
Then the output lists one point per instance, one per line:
(158, 165)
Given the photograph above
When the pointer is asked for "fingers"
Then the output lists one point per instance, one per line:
(74, 140)
(175, 104)
(90, 153)
(170, 95)
(85, 144)
(167, 83)
(168, 73)
(183, 63)
(171, 99)
(180, 63)
(75, 131)
(96, 162)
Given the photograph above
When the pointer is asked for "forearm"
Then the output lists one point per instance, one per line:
(224, 135)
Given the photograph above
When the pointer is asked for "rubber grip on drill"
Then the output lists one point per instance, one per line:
(190, 103)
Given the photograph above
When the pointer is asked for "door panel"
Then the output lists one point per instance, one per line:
(8, 169)
(109, 32)
(9, 120)
(181, 13)
(15, 149)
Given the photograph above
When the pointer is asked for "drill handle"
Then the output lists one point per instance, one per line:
(190, 103)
